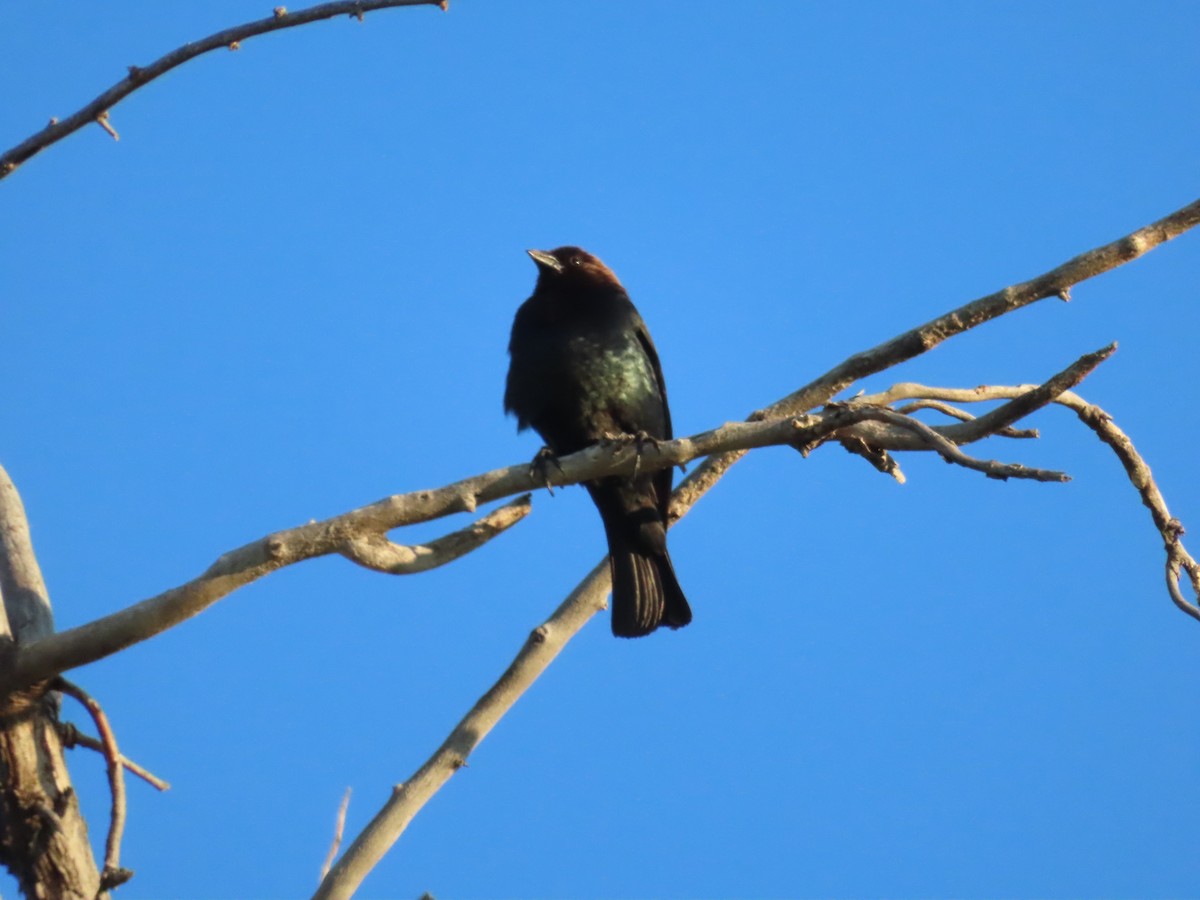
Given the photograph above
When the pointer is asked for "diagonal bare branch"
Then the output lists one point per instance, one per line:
(541, 647)
(1095, 418)
(588, 597)
(925, 337)
(230, 38)
(949, 450)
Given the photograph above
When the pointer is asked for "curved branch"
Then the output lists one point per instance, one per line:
(230, 38)
(1099, 421)
(376, 552)
(113, 875)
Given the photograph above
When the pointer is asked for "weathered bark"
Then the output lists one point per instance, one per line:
(43, 836)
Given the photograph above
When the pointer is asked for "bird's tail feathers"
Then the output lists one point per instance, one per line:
(646, 593)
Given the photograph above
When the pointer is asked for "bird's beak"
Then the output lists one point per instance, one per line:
(545, 260)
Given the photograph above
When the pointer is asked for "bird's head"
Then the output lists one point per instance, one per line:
(571, 267)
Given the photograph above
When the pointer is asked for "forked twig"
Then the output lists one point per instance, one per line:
(73, 737)
(113, 875)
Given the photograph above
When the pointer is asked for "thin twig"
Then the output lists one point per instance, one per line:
(229, 38)
(338, 829)
(113, 875)
(1002, 416)
(73, 737)
(949, 450)
(539, 650)
(963, 416)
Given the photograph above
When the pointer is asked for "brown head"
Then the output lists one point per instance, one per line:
(571, 268)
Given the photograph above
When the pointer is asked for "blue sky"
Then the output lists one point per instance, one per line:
(286, 292)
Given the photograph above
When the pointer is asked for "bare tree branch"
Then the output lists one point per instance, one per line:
(357, 532)
(72, 737)
(376, 552)
(950, 452)
(1095, 418)
(925, 337)
(588, 597)
(539, 650)
(230, 38)
(43, 841)
(999, 418)
(25, 613)
(963, 416)
(112, 875)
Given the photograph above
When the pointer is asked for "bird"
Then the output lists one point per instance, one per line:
(583, 369)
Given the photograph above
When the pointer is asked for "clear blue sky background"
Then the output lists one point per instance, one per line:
(286, 292)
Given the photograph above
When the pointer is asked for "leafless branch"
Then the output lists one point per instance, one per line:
(25, 613)
(539, 650)
(949, 450)
(925, 337)
(1095, 418)
(588, 597)
(339, 828)
(73, 737)
(113, 875)
(376, 552)
(963, 416)
(230, 38)
(999, 418)
(357, 532)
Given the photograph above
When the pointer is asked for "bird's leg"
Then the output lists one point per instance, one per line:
(539, 467)
(639, 439)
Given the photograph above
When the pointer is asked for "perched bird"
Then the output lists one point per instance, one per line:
(584, 369)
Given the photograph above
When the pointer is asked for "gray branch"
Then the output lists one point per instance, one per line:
(588, 597)
(376, 552)
(230, 38)
(358, 534)
(25, 612)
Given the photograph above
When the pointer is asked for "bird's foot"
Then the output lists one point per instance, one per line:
(639, 440)
(539, 467)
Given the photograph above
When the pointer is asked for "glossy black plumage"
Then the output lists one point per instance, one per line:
(583, 367)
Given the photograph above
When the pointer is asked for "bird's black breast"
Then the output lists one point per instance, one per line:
(579, 371)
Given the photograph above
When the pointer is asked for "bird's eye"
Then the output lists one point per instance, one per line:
(577, 260)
